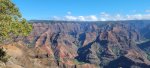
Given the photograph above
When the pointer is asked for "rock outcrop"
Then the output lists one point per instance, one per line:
(98, 43)
(70, 44)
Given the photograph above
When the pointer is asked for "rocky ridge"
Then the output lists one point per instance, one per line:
(73, 44)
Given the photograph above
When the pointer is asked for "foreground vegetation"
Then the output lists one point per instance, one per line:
(12, 26)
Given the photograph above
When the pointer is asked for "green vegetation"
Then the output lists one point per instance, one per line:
(78, 62)
(104, 61)
(116, 50)
(74, 60)
(12, 25)
(30, 45)
(148, 56)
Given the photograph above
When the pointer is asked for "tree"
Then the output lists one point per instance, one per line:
(12, 25)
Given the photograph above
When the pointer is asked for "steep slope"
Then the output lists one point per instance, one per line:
(94, 43)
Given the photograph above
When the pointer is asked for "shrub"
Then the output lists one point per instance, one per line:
(78, 62)
(3, 56)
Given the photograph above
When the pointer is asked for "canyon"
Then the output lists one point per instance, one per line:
(84, 44)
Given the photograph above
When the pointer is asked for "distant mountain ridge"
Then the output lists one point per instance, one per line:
(98, 44)
(64, 21)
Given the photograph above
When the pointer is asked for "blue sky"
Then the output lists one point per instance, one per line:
(84, 9)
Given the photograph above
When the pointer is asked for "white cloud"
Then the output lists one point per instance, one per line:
(80, 18)
(93, 18)
(138, 17)
(70, 18)
(103, 17)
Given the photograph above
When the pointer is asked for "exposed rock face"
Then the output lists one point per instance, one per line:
(91, 44)
(126, 62)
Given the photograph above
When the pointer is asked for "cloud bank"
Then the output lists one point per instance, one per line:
(103, 16)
